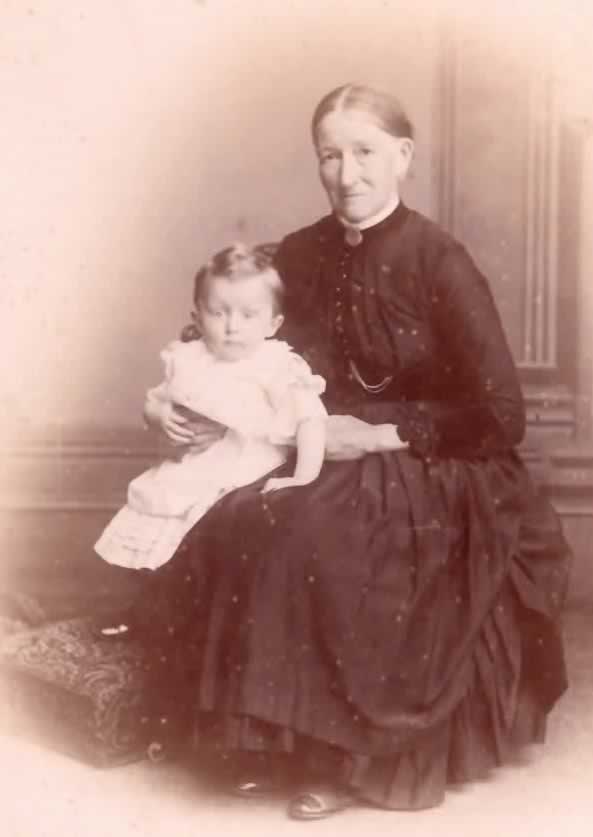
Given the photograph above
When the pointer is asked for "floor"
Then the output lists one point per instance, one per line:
(44, 794)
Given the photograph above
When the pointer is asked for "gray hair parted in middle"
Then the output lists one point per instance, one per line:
(384, 109)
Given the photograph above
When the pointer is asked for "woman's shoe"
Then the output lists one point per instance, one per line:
(320, 802)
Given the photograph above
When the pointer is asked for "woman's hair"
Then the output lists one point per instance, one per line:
(236, 263)
(385, 110)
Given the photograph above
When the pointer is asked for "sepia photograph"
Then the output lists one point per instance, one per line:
(296, 507)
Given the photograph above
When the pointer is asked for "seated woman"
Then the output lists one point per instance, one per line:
(392, 627)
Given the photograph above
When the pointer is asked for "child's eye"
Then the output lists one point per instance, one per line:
(365, 152)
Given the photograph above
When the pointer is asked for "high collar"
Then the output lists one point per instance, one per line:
(335, 228)
(387, 210)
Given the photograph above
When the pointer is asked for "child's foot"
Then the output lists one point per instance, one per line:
(257, 776)
(115, 628)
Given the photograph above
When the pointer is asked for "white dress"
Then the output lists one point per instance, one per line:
(260, 399)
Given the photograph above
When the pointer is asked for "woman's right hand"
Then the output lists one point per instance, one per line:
(350, 438)
(181, 427)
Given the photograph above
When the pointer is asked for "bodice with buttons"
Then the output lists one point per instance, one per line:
(343, 309)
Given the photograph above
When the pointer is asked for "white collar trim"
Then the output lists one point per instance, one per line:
(374, 219)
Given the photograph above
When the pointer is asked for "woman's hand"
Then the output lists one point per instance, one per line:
(351, 438)
(181, 426)
(277, 483)
(205, 432)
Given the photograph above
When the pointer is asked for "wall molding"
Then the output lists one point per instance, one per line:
(79, 469)
(584, 237)
(445, 119)
(78, 477)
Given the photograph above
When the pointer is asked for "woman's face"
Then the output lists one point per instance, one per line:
(360, 164)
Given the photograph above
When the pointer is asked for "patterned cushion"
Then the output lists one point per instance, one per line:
(88, 693)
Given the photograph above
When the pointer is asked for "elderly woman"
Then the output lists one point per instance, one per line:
(392, 627)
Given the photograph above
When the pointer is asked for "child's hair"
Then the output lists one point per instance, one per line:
(242, 262)
(236, 263)
(385, 110)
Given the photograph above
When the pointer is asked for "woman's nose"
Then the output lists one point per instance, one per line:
(348, 170)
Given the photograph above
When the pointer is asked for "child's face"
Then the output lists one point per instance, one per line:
(235, 316)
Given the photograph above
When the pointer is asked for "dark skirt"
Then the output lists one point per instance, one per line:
(399, 615)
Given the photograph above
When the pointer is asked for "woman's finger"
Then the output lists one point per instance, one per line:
(179, 427)
(342, 453)
(178, 433)
(204, 439)
(207, 432)
(345, 456)
(179, 440)
(177, 418)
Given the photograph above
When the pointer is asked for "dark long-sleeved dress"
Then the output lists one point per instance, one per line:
(402, 611)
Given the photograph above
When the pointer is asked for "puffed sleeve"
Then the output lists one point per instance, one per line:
(485, 414)
(295, 395)
(168, 357)
(160, 392)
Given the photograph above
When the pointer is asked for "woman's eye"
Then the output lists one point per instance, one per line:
(365, 152)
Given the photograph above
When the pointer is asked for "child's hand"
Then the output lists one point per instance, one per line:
(275, 483)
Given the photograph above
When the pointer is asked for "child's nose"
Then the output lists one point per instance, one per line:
(232, 323)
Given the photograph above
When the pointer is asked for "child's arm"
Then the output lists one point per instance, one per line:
(310, 451)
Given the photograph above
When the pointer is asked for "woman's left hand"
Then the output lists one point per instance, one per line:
(351, 438)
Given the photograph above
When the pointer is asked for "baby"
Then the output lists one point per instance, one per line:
(235, 373)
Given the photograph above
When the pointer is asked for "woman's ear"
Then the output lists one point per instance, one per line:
(405, 156)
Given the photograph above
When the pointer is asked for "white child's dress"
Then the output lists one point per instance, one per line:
(260, 399)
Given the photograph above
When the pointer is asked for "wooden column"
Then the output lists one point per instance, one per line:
(584, 260)
(539, 344)
(498, 181)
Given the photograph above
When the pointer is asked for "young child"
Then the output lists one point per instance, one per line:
(238, 375)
